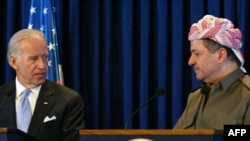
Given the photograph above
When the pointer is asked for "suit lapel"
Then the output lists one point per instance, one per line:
(43, 105)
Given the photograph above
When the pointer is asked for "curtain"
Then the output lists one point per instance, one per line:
(117, 53)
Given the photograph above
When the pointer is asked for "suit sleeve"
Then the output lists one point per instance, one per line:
(73, 119)
(247, 115)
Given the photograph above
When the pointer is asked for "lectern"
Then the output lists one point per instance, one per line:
(150, 135)
(10, 134)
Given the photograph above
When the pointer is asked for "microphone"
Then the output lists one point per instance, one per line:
(158, 92)
(205, 89)
(4, 98)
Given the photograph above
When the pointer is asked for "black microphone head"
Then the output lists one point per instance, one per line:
(160, 91)
(205, 89)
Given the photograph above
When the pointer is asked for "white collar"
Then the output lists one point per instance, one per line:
(20, 88)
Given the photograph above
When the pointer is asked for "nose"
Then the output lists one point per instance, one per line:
(42, 63)
(191, 61)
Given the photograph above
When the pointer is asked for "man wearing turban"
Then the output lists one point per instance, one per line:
(224, 97)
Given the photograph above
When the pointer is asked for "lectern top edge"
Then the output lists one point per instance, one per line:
(150, 132)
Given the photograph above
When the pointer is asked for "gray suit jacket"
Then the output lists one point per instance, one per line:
(60, 102)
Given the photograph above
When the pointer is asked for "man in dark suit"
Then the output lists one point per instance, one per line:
(57, 111)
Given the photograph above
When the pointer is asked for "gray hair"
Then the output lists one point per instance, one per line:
(14, 42)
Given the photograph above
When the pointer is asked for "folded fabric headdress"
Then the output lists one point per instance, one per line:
(220, 30)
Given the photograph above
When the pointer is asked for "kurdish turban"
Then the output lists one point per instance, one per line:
(220, 30)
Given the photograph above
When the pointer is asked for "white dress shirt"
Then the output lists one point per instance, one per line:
(32, 97)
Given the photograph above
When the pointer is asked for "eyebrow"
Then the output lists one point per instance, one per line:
(194, 50)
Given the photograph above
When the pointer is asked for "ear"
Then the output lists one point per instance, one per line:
(13, 62)
(221, 54)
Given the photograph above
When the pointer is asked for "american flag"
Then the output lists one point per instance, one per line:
(42, 17)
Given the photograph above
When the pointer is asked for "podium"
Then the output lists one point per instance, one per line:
(11, 134)
(150, 135)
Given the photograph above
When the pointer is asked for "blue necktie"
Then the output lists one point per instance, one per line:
(24, 113)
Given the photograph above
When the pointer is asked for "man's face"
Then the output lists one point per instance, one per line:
(32, 63)
(206, 65)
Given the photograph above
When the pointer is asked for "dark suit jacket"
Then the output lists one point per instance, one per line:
(53, 100)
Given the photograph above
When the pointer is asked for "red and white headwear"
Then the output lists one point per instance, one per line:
(220, 30)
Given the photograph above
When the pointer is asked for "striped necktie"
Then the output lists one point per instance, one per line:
(24, 113)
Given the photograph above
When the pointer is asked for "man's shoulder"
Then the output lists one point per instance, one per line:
(196, 89)
(246, 80)
(196, 92)
(58, 88)
(7, 85)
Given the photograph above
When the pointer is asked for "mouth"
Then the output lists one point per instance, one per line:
(196, 70)
(42, 74)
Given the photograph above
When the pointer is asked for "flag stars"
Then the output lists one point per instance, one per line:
(51, 46)
(32, 10)
(49, 63)
(30, 26)
(53, 31)
(54, 9)
(42, 28)
(41, 17)
(45, 11)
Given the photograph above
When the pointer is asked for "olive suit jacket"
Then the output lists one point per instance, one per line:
(228, 104)
(58, 114)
